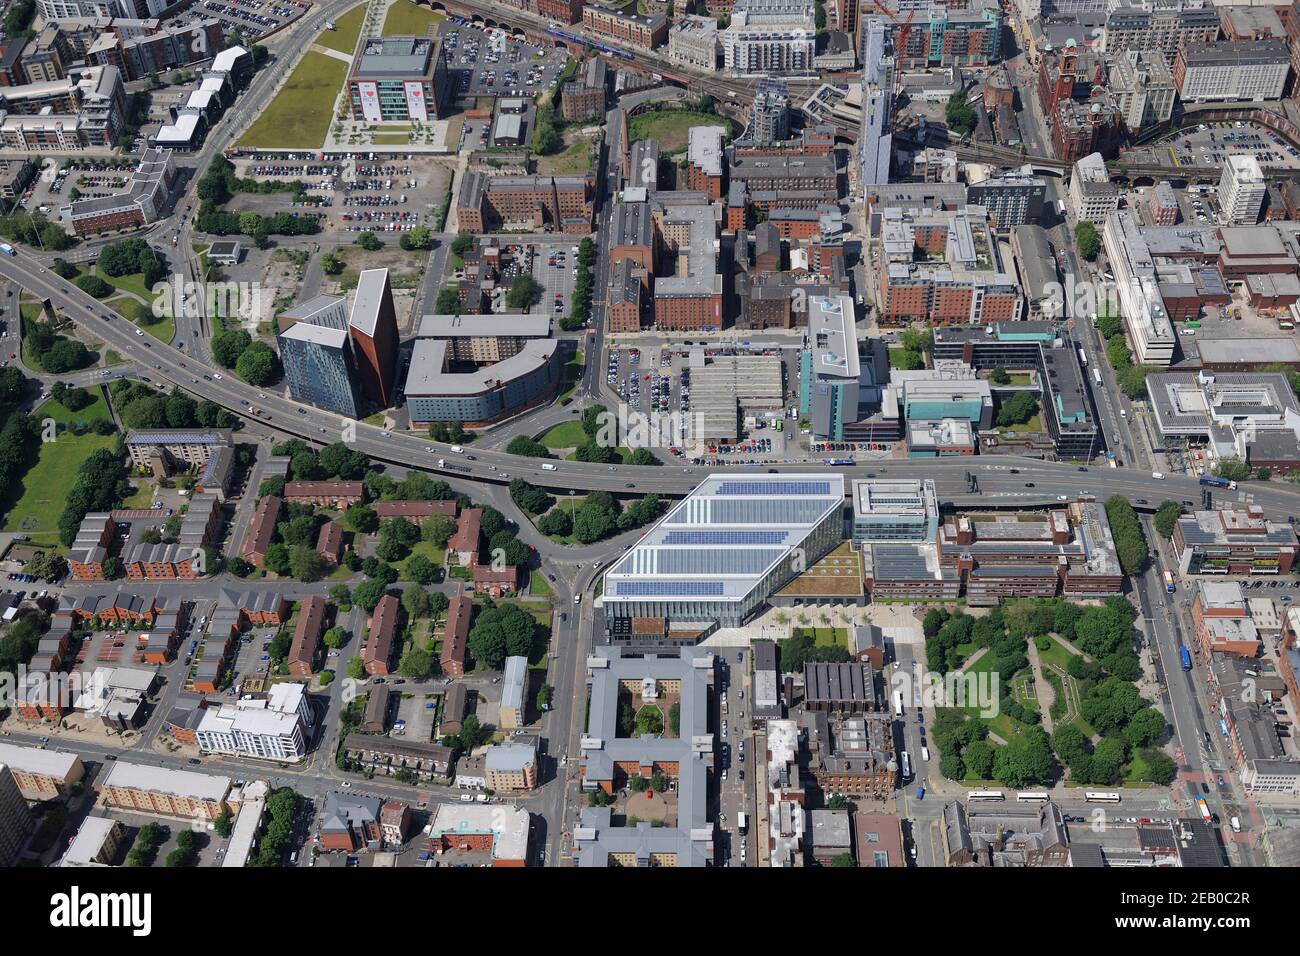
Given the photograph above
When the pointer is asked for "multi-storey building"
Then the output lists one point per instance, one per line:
(42, 774)
(487, 203)
(900, 510)
(1010, 200)
(397, 78)
(943, 267)
(261, 530)
(276, 726)
(875, 139)
(693, 41)
(140, 204)
(512, 766)
(1233, 542)
(770, 36)
(717, 556)
(382, 640)
(561, 11)
(1222, 620)
(626, 26)
(687, 758)
(1143, 87)
(305, 649)
(583, 97)
(456, 635)
(1150, 332)
(1241, 190)
(704, 160)
(320, 367)
(1163, 27)
(372, 324)
(1045, 348)
(1232, 70)
(164, 792)
(949, 35)
(851, 755)
(689, 299)
(166, 451)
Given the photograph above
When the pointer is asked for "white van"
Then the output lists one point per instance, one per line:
(547, 466)
(1158, 475)
(1236, 824)
(457, 449)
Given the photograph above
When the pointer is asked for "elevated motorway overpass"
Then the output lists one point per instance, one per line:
(1004, 481)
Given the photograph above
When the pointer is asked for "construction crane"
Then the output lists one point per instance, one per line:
(902, 28)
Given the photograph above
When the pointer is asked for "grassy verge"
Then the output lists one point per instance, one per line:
(300, 114)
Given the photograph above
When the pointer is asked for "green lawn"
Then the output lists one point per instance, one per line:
(136, 312)
(300, 114)
(1035, 424)
(347, 28)
(672, 127)
(45, 488)
(132, 283)
(1003, 725)
(538, 585)
(405, 17)
(572, 376)
(112, 358)
(564, 435)
(435, 554)
(573, 160)
(93, 412)
(141, 497)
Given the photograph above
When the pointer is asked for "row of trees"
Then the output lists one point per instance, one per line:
(1130, 539)
(580, 304)
(1132, 378)
(140, 406)
(100, 484)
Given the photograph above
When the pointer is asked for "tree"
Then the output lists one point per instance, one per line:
(258, 365)
(361, 518)
(529, 497)
(331, 264)
(416, 664)
(1085, 237)
(462, 244)
(224, 824)
(229, 345)
(367, 593)
(555, 522)
(1233, 469)
(306, 564)
(1130, 540)
(369, 241)
(504, 630)
(416, 239)
(94, 285)
(421, 570)
(438, 603)
(448, 302)
(958, 113)
(1018, 409)
(335, 638)
(415, 602)
(999, 376)
(276, 559)
(356, 668)
(1166, 518)
(643, 456)
(841, 861)
(525, 446)
(524, 291)
(1026, 760)
(437, 530)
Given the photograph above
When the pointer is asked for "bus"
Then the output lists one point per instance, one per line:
(1036, 796)
(898, 703)
(1169, 582)
(1185, 657)
(1204, 808)
(1083, 357)
(977, 795)
(907, 766)
(1096, 375)
(742, 822)
(1098, 796)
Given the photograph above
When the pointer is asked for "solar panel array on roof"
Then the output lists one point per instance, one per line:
(724, 537)
(749, 511)
(773, 488)
(670, 588)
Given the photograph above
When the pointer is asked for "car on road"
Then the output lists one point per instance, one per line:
(194, 761)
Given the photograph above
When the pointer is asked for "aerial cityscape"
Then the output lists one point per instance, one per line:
(649, 433)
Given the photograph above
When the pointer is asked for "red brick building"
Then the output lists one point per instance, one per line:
(381, 642)
(455, 637)
(304, 652)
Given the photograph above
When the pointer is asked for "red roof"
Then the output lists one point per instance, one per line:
(306, 633)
